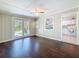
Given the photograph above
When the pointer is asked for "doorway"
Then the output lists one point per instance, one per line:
(69, 27)
(18, 28)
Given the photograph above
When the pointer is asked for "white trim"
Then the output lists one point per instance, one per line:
(6, 40)
(57, 39)
(14, 39)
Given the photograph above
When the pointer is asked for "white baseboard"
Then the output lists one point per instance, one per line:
(44, 37)
(58, 39)
(13, 39)
(6, 40)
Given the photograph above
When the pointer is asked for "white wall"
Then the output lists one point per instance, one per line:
(7, 26)
(57, 31)
(53, 34)
(78, 27)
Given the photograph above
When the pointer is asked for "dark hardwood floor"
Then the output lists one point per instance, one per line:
(37, 47)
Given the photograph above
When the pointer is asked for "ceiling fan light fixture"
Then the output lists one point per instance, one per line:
(39, 10)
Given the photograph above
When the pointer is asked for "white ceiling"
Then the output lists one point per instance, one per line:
(25, 7)
(58, 5)
(22, 7)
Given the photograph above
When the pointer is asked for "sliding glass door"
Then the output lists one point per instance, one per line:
(21, 28)
(18, 28)
(26, 28)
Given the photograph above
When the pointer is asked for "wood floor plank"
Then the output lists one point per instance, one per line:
(38, 47)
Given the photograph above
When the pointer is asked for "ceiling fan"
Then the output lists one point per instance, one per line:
(39, 10)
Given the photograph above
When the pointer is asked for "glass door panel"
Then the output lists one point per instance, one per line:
(26, 28)
(18, 28)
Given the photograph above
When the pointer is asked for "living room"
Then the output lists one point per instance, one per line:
(39, 28)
